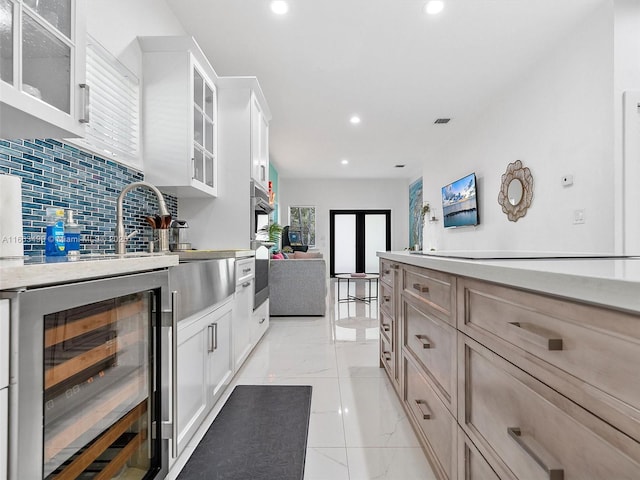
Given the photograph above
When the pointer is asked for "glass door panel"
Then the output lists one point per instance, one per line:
(209, 101)
(208, 135)
(198, 165)
(56, 12)
(198, 128)
(375, 228)
(97, 389)
(46, 65)
(198, 83)
(6, 41)
(345, 240)
(209, 169)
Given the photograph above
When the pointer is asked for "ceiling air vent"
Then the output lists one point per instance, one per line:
(399, 166)
(442, 120)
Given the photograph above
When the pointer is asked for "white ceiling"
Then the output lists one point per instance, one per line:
(385, 60)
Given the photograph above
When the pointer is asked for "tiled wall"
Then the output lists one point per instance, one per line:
(58, 174)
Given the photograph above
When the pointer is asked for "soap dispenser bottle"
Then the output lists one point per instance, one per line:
(54, 242)
(71, 235)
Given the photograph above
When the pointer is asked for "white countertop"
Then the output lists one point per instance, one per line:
(212, 254)
(41, 270)
(612, 282)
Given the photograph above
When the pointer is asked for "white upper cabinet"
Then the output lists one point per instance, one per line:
(259, 143)
(180, 117)
(42, 69)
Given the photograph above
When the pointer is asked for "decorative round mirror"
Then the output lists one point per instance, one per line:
(516, 191)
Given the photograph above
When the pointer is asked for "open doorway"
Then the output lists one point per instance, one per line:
(355, 237)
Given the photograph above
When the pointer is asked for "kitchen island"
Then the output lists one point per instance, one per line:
(516, 368)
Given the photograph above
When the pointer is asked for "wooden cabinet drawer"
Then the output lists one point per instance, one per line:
(532, 429)
(471, 463)
(388, 357)
(434, 422)
(432, 343)
(386, 300)
(388, 271)
(598, 348)
(436, 289)
(387, 327)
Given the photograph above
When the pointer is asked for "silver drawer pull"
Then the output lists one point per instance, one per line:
(421, 288)
(211, 342)
(262, 320)
(386, 327)
(387, 298)
(246, 284)
(424, 340)
(537, 336)
(246, 270)
(424, 409)
(395, 266)
(387, 356)
(387, 272)
(537, 452)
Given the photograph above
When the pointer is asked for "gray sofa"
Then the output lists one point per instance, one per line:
(297, 287)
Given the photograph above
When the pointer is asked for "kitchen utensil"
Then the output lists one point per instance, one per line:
(10, 216)
(163, 239)
(166, 221)
(158, 221)
(151, 221)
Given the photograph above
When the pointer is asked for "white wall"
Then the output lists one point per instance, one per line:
(334, 194)
(117, 23)
(557, 119)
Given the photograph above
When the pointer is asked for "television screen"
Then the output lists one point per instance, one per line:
(459, 202)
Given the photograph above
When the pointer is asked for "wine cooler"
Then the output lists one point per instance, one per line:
(86, 391)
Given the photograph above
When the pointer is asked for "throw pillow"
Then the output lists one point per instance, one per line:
(277, 256)
(307, 255)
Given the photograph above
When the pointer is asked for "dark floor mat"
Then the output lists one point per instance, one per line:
(260, 434)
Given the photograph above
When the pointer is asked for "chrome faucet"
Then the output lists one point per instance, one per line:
(121, 238)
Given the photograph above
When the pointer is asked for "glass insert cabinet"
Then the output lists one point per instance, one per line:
(42, 46)
(86, 393)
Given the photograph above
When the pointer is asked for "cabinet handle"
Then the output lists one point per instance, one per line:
(387, 356)
(262, 320)
(536, 452)
(424, 340)
(387, 272)
(246, 284)
(174, 373)
(386, 327)
(395, 266)
(424, 409)
(387, 298)
(215, 336)
(263, 173)
(526, 331)
(246, 270)
(85, 103)
(210, 347)
(421, 288)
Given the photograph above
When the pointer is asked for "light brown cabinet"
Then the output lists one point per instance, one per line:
(504, 383)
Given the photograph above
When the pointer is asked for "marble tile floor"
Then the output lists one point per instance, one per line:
(357, 429)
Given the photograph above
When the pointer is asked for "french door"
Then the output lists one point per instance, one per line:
(355, 237)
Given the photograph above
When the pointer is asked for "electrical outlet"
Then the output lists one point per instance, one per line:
(578, 217)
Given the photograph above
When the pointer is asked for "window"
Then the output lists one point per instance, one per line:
(303, 219)
(114, 123)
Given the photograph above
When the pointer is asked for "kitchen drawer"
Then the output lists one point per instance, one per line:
(471, 463)
(387, 327)
(388, 357)
(432, 343)
(435, 289)
(4, 343)
(4, 429)
(388, 271)
(587, 353)
(434, 422)
(386, 300)
(245, 270)
(535, 432)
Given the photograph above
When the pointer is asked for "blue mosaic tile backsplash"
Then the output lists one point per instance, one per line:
(58, 174)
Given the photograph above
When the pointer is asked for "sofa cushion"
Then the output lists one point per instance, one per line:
(306, 255)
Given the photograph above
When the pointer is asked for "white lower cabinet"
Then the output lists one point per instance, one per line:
(242, 311)
(204, 367)
(259, 322)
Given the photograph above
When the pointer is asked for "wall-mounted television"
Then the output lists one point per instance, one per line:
(459, 203)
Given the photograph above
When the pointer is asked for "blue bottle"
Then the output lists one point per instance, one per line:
(54, 242)
(71, 235)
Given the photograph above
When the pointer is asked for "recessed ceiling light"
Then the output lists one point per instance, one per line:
(344, 162)
(279, 7)
(433, 7)
(355, 119)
